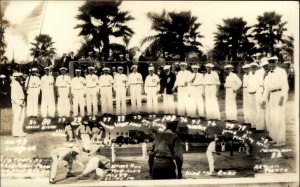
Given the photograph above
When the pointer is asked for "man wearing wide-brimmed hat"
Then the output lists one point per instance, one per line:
(276, 93)
(33, 85)
(17, 101)
(63, 84)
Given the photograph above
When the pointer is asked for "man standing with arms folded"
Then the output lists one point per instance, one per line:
(196, 92)
(232, 84)
(276, 93)
(63, 83)
(120, 86)
(135, 82)
(167, 83)
(78, 92)
(183, 78)
(105, 85)
(33, 85)
(91, 92)
(151, 89)
(211, 86)
(48, 100)
(246, 97)
(17, 101)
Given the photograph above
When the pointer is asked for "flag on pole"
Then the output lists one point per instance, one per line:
(31, 22)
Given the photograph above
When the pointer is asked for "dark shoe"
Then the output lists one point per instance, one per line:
(70, 175)
(52, 181)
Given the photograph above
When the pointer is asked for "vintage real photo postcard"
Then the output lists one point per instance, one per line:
(116, 93)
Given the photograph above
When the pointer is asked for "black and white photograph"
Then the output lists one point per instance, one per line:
(125, 92)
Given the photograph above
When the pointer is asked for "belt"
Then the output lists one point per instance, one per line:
(252, 92)
(245, 87)
(277, 90)
(182, 86)
(33, 87)
(152, 86)
(135, 83)
(164, 157)
(78, 89)
(197, 85)
(209, 84)
(105, 86)
(62, 87)
(92, 87)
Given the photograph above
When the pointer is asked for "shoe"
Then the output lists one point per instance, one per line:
(52, 181)
(70, 175)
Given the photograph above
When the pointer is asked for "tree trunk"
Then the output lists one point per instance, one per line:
(105, 50)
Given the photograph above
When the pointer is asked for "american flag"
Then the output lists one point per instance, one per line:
(31, 22)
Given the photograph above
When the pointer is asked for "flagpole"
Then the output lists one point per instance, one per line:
(34, 54)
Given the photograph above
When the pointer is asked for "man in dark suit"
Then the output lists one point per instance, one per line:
(64, 61)
(167, 83)
(4, 92)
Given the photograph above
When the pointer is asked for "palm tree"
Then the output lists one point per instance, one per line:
(3, 26)
(232, 40)
(43, 46)
(268, 31)
(176, 33)
(287, 48)
(102, 19)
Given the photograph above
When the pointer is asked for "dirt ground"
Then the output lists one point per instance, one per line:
(195, 164)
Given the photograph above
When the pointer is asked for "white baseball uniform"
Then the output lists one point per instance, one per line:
(182, 80)
(135, 82)
(63, 83)
(48, 100)
(120, 85)
(78, 90)
(33, 91)
(196, 91)
(151, 89)
(105, 85)
(91, 94)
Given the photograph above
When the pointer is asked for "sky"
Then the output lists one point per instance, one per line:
(59, 21)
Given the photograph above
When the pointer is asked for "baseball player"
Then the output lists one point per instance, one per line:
(120, 86)
(17, 101)
(211, 150)
(183, 78)
(66, 154)
(97, 163)
(211, 84)
(261, 121)
(196, 91)
(135, 82)
(78, 91)
(91, 92)
(84, 131)
(152, 89)
(63, 83)
(232, 84)
(167, 83)
(105, 85)
(246, 97)
(48, 100)
(276, 93)
(69, 131)
(252, 88)
(33, 83)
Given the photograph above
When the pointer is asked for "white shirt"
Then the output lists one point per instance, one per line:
(183, 78)
(245, 80)
(47, 81)
(255, 81)
(233, 81)
(120, 80)
(198, 80)
(152, 81)
(211, 78)
(212, 146)
(17, 94)
(91, 80)
(276, 80)
(78, 83)
(105, 81)
(34, 82)
(135, 78)
(63, 81)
